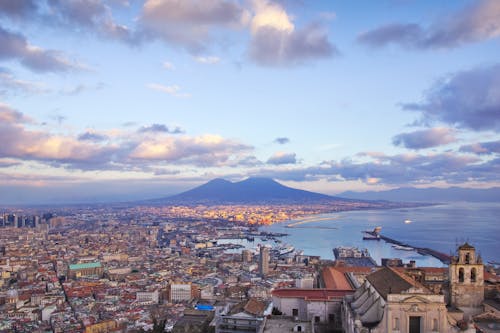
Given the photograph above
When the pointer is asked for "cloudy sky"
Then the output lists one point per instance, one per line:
(120, 100)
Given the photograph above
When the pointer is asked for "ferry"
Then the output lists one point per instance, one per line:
(370, 236)
(408, 221)
(285, 249)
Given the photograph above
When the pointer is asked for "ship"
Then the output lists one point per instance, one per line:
(285, 249)
(408, 221)
(352, 256)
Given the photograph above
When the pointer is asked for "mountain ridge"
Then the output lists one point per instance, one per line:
(252, 190)
(412, 194)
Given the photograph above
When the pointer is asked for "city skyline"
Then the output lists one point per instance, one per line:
(140, 99)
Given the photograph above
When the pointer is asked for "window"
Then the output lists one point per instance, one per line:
(461, 275)
(473, 275)
(434, 325)
(295, 312)
(317, 319)
(331, 317)
(395, 324)
(467, 258)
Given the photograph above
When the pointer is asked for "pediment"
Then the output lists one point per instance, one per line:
(416, 299)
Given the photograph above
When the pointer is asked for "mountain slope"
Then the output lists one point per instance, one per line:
(248, 191)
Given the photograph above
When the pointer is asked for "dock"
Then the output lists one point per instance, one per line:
(443, 257)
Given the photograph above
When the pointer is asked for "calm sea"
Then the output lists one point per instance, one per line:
(440, 227)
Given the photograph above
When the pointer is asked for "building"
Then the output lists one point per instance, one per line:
(246, 256)
(391, 301)
(247, 316)
(85, 270)
(466, 274)
(313, 305)
(180, 292)
(152, 297)
(103, 326)
(264, 261)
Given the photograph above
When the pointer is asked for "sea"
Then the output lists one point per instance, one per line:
(440, 227)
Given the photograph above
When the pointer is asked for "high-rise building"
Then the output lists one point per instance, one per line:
(264, 261)
(246, 256)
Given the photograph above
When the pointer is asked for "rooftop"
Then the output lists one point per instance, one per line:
(85, 265)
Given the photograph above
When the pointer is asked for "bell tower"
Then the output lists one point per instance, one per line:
(466, 274)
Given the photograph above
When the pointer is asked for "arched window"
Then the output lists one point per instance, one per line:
(435, 325)
(473, 275)
(461, 275)
(467, 258)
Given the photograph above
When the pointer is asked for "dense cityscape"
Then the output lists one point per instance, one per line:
(181, 269)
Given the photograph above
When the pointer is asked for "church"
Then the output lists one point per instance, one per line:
(390, 300)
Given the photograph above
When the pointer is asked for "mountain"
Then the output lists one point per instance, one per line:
(248, 191)
(409, 194)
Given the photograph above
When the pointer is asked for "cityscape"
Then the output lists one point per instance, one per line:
(249, 166)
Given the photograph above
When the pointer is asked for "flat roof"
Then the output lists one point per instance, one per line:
(85, 265)
(311, 294)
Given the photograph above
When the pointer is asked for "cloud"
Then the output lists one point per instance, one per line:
(122, 151)
(468, 99)
(207, 60)
(15, 46)
(173, 90)
(88, 15)
(92, 136)
(281, 140)
(160, 128)
(190, 24)
(204, 150)
(276, 42)
(10, 83)
(282, 158)
(17, 8)
(474, 23)
(482, 148)
(394, 170)
(425, 138)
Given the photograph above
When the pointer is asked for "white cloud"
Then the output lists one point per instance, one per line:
(207, 60)
(173, 90)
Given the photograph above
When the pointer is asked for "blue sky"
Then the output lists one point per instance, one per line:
(119, 100)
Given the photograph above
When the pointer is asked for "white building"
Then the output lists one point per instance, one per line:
(180, 292)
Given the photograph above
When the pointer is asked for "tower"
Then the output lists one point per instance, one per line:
(466, 274)
(264, 261)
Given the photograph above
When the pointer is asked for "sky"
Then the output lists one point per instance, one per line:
(106, 100)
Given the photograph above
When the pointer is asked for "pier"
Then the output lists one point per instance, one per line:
(444, 258)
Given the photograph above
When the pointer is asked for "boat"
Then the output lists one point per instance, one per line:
(284, 249)
(408, 221)
(403, 248)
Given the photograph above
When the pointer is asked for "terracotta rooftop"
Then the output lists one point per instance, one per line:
(335, 279)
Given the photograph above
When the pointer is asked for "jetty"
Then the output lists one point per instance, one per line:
(443, 257)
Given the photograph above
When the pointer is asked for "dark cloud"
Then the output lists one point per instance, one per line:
(482, 148)
(160, 128)
(425, 138)
(274, 47)
(15, 46)
(282, 158)
(282, 140)
(92, 136)
(17, 8)
(468, 99)
(476, 22)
